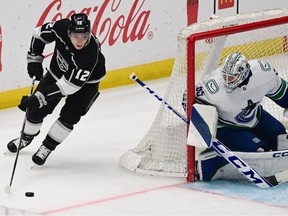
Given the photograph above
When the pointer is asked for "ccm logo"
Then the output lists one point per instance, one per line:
(281, 154)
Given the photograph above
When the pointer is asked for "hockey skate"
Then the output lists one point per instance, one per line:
(41, 155)
(14, 144)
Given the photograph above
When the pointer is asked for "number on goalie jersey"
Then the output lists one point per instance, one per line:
(237, 90)
(76, 68)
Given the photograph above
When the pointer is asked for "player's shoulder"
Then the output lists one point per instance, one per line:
(262, 72)
(261, 66)
(93, 48)
(59, 27)
(211, 82)
(94, 41)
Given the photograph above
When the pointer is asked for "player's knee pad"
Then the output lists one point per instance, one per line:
(71, 113)
(208, 164)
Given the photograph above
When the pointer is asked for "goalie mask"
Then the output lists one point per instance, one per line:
(234, 70)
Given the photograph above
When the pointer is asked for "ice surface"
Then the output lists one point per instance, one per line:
(82, 177)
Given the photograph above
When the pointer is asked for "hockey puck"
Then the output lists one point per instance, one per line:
(29, 194)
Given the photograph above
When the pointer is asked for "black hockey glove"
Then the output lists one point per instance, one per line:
(34, 101)
(34, 65)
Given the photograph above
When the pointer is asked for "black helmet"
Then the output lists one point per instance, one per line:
(79, 23)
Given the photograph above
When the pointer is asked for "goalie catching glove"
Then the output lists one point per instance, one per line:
(35, 101)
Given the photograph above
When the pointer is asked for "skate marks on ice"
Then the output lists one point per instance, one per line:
(13, 211)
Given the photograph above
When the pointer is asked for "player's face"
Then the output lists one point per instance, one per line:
(230, 79)
(79, 39)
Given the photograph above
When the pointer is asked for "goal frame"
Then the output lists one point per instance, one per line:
(202, 48)
(191, 79)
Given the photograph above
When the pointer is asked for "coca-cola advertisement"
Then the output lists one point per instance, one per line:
(138, 35)
(122, 27)
(131, 33)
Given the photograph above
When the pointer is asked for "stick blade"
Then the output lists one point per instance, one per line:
(272, 180)
(278, 178)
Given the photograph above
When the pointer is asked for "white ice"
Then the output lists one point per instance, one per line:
(82, 177)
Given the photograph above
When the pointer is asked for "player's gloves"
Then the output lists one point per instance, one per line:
(34, 65)
(34, 101)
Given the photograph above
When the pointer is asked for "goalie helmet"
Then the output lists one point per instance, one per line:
(234, 70)
(79, 23)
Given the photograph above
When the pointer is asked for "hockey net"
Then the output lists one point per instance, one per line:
(203, 47)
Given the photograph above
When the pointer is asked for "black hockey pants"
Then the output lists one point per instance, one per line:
(76, 105)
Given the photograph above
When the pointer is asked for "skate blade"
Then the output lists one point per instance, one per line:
(7, 189)
(35, 166)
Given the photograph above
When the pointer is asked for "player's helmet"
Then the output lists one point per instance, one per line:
(235, 70)
(79, 23)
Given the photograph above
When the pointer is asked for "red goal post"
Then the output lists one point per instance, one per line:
(191, 59)
(202, 47)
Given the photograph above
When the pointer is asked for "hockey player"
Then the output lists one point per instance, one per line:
(236, 90)
(76, 69)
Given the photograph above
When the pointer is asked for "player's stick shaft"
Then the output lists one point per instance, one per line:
(8, 187)
(136, 79)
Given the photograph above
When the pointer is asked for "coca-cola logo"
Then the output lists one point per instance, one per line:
(131, 26)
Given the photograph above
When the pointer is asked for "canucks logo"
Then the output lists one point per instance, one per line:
(248, 113)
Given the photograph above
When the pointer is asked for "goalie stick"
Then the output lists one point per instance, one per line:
(8, 187)
(136, 79)
(251, 174)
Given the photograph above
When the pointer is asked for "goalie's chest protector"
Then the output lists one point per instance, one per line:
(239, 107)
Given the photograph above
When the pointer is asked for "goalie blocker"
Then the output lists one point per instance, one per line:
(211, 166)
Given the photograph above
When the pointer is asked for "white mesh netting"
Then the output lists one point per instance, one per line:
(163, 150)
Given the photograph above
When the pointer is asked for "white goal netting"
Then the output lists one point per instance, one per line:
(259, 35)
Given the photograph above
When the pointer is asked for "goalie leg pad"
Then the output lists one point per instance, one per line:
(282, 142)
(203, 125)
(208, 164)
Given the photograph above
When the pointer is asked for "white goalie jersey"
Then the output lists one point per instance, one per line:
(241, 107)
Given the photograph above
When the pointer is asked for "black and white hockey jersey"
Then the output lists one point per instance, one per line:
(71, 68)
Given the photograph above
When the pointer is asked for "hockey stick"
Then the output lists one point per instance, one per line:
(136, 79)
(278, 178)
(251, 174)
(8, 187)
